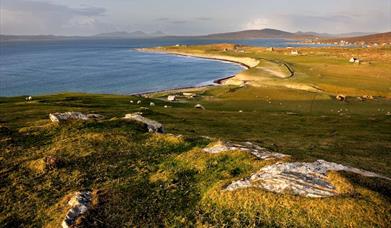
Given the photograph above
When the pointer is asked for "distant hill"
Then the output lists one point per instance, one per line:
(112, 35)
(136, 34)
(379, 38)
(252, 34)
(35, 37)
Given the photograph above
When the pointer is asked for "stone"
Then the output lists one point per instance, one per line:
(151, 125)
(171, 98)
(152, 104)
(138, 102)
(66, 116)
(298, 178)
(131, 101)
(199, 106)
(340, 97)
(29, 98)
(257, 151)
(80, 203)
(95, 116)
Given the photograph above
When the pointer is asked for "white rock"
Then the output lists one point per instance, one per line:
(62, 117)
(152, 104)
(80, 203)
(257, 151)
(152, 126)
(298, 178)
(138, 102)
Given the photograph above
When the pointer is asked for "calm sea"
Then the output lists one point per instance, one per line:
(106, 66)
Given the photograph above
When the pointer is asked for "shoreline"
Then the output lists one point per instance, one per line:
(216, 82)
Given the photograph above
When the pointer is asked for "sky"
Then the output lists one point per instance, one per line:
(195, 17)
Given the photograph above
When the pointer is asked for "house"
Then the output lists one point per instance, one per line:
(295, 52)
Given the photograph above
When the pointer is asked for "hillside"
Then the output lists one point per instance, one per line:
(265, 152)
(379, 38)
(260, 34)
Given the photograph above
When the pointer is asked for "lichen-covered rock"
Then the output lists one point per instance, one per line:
(152, 125)
(299, 178)
(67, 116)
(257, 151)
(62, 117)
(80, 203)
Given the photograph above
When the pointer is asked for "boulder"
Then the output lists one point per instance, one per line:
(151, 104)
(29, 98)
(171, 98)
(199, 106)
(298, 178)
(257, 151)
(66, 116)
(151, 125)
(80, 203)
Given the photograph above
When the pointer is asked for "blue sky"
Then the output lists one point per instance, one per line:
(181, 17)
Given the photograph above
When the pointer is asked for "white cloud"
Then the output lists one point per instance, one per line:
(27, 17)
(341, 22)
(258, 23)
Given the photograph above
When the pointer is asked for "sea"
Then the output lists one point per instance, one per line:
(108, 66)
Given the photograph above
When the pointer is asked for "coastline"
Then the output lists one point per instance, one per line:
(217, 82)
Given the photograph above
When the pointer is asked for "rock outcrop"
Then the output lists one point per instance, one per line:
(298, 178)
(257, 151)
(151, 125)
(80, 203)
(67, 116)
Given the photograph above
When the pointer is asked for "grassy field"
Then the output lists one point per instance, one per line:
(145, 179)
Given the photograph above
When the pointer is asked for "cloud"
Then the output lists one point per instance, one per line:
(35, 17)
(258, 23)
(340, 22)
(204, 18)
(179, 22)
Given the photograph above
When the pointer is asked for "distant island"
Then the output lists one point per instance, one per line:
(243, 35)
